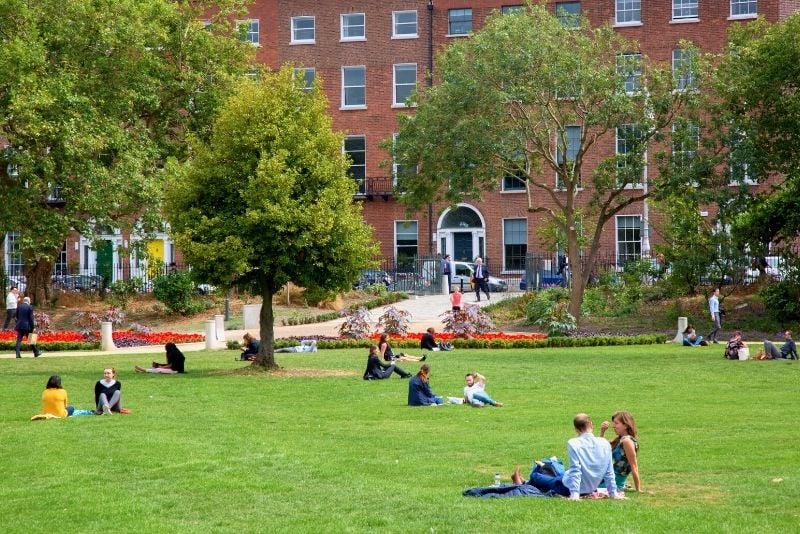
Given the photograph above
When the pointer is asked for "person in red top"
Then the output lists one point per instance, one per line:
(455, 299)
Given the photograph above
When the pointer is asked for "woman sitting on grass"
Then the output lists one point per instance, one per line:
(175, 361)
(250, 348)
(388, 354)
(54, 399)
(378, 371)
(691, 339)
(108, 393)
(624, 449)
(734, 345)
(419, 390)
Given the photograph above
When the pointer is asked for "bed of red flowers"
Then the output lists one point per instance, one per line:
(124, 338)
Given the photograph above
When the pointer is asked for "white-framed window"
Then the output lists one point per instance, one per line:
(459, 21)
(683, 69)
(251, 28)
(567, 147)
(406, 241)
(14, 263)
(353, 27)
(629, 238)
(308, 75)
(404, 24)
(628, 11)
(684, 9)
(405, 81)
(515, 244)
(399, 168)
(685, 143)
(354, 87)
(569, 13)
(744, 8)
(60, 266)
(629, 67)
(505, 10)
(630, 156)
(355, 146)
(304, 30)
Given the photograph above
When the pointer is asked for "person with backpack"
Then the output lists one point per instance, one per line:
(734, 345)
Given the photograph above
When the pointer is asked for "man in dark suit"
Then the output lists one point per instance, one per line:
(481, 279)
(25, 325)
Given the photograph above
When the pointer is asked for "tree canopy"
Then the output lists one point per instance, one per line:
(94, 95)
(544, 101)
(267, 199)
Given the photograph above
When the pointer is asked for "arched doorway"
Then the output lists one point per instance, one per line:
(461, 233)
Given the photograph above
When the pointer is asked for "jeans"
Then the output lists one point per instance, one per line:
(10, 314)
(545, 483)
(717, 326)
(113, 402)
(480, 398)
(772, 351)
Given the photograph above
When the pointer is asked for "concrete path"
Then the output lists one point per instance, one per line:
(425, 312)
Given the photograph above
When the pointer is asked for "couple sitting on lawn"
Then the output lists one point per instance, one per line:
(420, 394)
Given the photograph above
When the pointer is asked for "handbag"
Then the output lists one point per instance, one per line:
(33, 338)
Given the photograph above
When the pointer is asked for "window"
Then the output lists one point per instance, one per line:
(459, 21)
(250, 28)
(353, 27)
(405, 241)
(514, 182)
(629, 67)
(744, 8)
(684, 9)
(355, 146)
(14, 264)
(629, 238)
(629, 11)
(569, 13)
(400, 169)
(60, 267)
(354, 88)
(630, 156)
(303, 30)
(505, 10)
(515, 244)
(683, 69)
(404, 24)
(405, 81)
(308, 74)
(685, 143)
(516, 174)
(567, 150)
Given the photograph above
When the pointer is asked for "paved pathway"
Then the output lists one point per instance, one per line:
(425, 312)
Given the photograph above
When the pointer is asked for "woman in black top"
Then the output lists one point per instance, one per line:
(175, 361)
(388, 354)
(108, 393)
(378, 371)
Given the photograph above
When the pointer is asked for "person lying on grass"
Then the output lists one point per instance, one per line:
(378, 371)
(388, 354)
(175, 361)
(306, 345)
(624, 449)
(474, 392)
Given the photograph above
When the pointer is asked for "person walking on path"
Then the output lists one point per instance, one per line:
(481, 279)
(25, 326)
(455, 299)
(12, 299)
(447, 271)
(713, 308)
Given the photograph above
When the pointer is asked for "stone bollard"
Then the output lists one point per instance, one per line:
(252, 316)
(683, 322)
(211, 335)
(219, 321)
(106, 336)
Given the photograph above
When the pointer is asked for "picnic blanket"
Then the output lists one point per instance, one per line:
(506, 490)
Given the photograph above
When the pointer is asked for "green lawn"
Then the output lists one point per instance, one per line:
(323, 451)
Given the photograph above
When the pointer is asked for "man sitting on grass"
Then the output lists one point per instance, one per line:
(787, 351)
(474, 392)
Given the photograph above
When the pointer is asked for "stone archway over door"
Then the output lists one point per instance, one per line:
(461, 232)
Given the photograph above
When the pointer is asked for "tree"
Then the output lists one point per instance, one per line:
(94, 95)
(267, 200)
(532, 97)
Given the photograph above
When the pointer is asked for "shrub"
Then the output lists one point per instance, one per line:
(468, 321)
(86, 322)
(356, 325)
(123, 291)
(782, 299)
(550, 309)
(42, 321)
(394, 321)
(178, 293)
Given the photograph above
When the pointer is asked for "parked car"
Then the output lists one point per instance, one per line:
(374, 276)
(464, 271)
(547, 280)
(19, 281)
(78, 282)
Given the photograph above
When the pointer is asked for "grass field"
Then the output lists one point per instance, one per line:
(316, 449)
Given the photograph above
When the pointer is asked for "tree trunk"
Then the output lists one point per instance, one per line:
(578, 280)
(39, 282)
(266, 353)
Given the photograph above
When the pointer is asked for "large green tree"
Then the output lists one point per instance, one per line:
(543, 99)
(267, 200)
(94, 95)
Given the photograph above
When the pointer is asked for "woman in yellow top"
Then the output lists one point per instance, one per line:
(54, 398)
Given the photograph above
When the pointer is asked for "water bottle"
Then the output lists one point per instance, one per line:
(497, 479)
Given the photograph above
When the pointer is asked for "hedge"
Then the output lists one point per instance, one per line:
(52, 346)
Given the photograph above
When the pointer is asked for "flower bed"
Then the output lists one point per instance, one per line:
(72, 340)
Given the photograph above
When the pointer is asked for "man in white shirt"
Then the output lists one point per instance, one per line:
(11, 306)
(589, 464)
(713, 308)
(474, 392)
